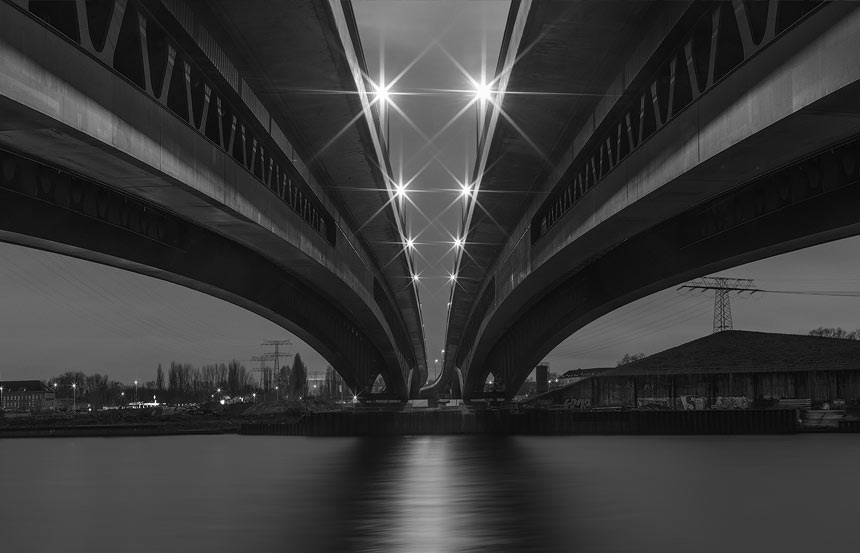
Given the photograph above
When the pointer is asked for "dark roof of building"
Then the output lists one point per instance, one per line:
(24, 386)
(743, 351)
(573, 373)
(739, 351)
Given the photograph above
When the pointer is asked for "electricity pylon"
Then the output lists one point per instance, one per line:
(722, 304)
(276, 355)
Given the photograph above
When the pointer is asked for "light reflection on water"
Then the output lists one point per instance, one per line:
(445, 494)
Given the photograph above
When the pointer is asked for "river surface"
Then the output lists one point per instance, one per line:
(446, 493)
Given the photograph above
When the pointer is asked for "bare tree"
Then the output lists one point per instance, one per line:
(629, 358)
(836, 332)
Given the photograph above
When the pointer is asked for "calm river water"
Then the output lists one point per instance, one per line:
(415, 494)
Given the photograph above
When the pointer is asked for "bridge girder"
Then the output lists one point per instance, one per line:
(52, 210)
(808, 203)
(138, 111)
(661, 150)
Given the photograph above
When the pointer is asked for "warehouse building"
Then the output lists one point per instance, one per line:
(726, 370)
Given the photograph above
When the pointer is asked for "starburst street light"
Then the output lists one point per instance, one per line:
(400, 190)
(483, 95)
(483, 92)
(383, 100)
(458, 242)
(453, 278)
(410, 243)
(415, 277)
(465, 190)
(383, 93)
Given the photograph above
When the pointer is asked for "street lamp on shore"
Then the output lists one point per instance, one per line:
(74, 397)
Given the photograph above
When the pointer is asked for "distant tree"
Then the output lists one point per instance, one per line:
(836, 332)
(298, 378)
(238, 378)
(64, 383)
(159, 379)
(282, 381)
(330, 386)
(629, 358)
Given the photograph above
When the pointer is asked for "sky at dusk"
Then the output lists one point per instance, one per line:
(66, 314)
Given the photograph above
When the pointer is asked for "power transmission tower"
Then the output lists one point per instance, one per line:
(722, 286)
(277, 354)
(263, 370)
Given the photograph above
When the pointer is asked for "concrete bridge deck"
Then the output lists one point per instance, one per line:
(135, 103)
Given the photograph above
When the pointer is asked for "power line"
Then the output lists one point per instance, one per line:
(275, 355)
(265, 372)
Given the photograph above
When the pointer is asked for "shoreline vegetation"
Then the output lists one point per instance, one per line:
(319, 418)
(210, 418)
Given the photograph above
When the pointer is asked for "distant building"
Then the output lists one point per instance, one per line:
(26, 395)
(726, 370)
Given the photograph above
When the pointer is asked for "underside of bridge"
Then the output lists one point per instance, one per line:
(691, 138)
(180, 140)
(229, 146)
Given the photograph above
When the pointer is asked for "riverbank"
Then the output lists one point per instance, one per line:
(296, 421)
(116, 430)
(533, 422)
(159, 421)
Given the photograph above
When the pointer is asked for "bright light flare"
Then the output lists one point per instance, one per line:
(400, 190)
(453, 278)
(458, 242)
(465, 190)
(410, 243)
(416, 277)
(383, 93)
(483, 92)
